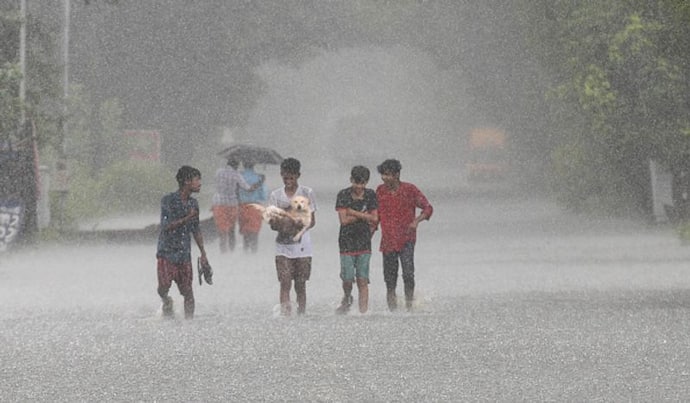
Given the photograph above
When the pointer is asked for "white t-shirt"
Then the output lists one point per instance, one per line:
(278, 198)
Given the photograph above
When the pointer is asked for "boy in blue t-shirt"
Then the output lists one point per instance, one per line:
(179, 223)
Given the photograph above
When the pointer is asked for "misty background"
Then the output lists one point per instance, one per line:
(586, 94)
(331, 83)
(550, 286)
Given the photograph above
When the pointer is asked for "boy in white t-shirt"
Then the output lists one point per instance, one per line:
(293, 258)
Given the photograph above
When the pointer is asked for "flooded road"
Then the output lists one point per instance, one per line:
(516, 301)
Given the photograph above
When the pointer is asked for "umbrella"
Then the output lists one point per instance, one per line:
(250, 153)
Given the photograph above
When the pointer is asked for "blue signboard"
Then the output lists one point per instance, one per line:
(11, 220)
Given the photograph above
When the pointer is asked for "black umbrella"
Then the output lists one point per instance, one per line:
(254, 154)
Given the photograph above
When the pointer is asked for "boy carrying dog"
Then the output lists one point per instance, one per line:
(293, 257)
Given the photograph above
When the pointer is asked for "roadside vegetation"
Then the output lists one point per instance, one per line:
(596, 91)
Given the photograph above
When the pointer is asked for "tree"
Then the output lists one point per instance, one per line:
(622, 88)
(42, 78)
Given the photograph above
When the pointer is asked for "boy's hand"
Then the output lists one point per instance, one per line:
(286, 226)
(193, 213)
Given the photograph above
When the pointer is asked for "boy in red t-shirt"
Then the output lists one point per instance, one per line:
(398, 203)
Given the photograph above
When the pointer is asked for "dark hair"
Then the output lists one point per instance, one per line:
(390, 166)
(186, 173)
(290, 166)
(360, 174)
(233, 163)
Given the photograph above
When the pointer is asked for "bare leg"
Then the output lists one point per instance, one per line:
(251, 242)
(189, 306)
(363, 294)
(347, 298)
(301, 290)
(223, 241)
(254, 242)
(231, 239)
(285, 307)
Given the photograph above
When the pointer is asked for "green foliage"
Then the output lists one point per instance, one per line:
(10, 107)
(574, 179)
(83, 201)
(620, 78)
(93, 133)
(124, 187)
(108, 134)
(77, 138)
(583, 184)
(683, 231)
(41, 78)
(128, 187)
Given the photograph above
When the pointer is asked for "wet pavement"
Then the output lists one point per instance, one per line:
(516, 301)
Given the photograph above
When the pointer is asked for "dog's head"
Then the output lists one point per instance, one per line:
(299, 203)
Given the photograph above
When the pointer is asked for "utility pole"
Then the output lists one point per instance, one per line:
(65, 51)
(22, 64)
(62, 169)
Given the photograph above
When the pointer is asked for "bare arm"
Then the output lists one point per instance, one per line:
(193, 214)
(345, 218)
(425, 206)
(351, 216)
(199, 239)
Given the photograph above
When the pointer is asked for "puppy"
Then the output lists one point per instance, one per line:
(299, 212)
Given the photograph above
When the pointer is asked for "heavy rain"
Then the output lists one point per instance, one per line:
(554, 267)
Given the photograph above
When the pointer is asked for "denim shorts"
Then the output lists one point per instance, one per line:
(352, 266)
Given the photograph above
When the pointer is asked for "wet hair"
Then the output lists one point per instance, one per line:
(360, 174)
(290, 166)
(389, 166)
(186, 173)
(233, 163)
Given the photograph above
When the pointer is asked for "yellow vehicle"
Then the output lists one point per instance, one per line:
(487, 155)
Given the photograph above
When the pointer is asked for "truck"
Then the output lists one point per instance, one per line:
(487, 157)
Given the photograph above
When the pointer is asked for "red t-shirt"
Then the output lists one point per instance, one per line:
(397, 209)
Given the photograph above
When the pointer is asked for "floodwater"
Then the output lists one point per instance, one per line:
(516, 301)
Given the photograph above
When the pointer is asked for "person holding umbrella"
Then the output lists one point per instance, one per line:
(225, 204)
(250, 218)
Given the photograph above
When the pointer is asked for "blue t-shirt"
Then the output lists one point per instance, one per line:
(256, 196)
(176, 245)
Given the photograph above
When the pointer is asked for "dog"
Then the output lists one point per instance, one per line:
(299, 212)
